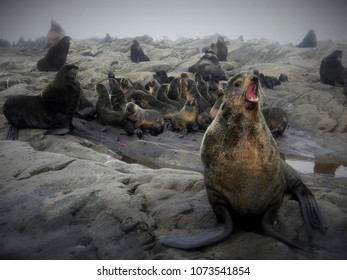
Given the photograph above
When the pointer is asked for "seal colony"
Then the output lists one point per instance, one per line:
(245, 177)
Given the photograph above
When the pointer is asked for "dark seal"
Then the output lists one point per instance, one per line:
(331, 70)
(52, 109)
(221, 49)
(136, 53)
(309, 41)
(244, 174)
(209, 68)
(104, 109)
(56, 56)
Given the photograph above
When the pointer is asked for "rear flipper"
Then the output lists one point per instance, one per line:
(309, 208)
(12, 133)
(204, 238)
(267, 223)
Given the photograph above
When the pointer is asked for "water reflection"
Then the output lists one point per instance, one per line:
(330, 167)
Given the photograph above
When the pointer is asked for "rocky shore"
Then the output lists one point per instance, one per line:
(98, 193)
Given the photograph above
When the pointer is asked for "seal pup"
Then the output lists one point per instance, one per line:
(331, 70)
(221, 49)
(56, 56)
(136, 53)
(104, 110)
(52, 109)
(185, 122)
(309, 41)
(244, 175)
(153, 86)
(55, 34)
(145, 119)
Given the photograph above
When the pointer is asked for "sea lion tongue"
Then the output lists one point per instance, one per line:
(251, 93)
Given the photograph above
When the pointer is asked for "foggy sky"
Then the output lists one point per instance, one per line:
(283, 21)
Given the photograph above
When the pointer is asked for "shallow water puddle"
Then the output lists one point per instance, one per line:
(330, 167)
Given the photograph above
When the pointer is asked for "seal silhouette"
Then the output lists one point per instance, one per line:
(245, 177)
(53, 109)
(331, 70)
(136, 53)
(56, 56)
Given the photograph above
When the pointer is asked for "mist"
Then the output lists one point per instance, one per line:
(282, 21)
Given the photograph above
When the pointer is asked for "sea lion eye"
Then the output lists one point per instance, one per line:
(237, 84)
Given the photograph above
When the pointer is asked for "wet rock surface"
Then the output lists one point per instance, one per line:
(100, 194)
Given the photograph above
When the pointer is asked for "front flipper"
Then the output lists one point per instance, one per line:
(204, 238)
(308, 206)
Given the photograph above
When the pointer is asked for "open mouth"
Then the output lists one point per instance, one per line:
(251, 93)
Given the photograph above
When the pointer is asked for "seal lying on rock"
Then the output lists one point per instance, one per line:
(244, 175)
(53, 108)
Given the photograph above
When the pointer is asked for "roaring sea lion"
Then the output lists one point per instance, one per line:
(56, 56)
(244, 175)
(145, 119)
(104, 110)
(53, 109)
(331, 70)
(55, 34)
(136, 53)
(309, 41)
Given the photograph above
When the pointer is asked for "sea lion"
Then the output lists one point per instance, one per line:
(189, 87)
(105, 113)
(309, 41)
(53, 109)
(244, 175)
(146, 101)
(153, 86)
(161, 95)
(267, 81)
(202, 87)
(186, 119)
(215, 108)
(145, 119)
(213, 90)
(118, 101)
(55, 34)
(174, 92)
(162, 77)
(276, 119)
(221, 49)
(209, 68)
(56, 56)
(136, 53)
(331, 70)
